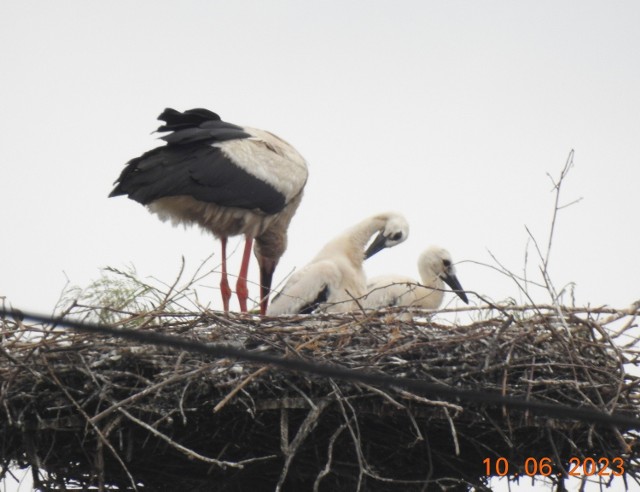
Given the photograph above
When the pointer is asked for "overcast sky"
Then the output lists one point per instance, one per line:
(451, 113)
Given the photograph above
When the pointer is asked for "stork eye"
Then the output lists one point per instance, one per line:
(396, 236)
(446, 263)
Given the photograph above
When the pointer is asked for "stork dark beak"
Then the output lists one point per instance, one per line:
(377, 245)
(452, 281)
(267, 267)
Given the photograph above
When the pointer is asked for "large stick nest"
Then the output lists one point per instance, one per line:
(83, 410)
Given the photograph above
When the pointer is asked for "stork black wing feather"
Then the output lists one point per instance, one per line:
(197, 125)
(323, 295)
(211, 134)
(176, 120)
(189, 165)
(200, 171)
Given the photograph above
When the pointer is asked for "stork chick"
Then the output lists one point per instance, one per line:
(436, 269)
(334, 278)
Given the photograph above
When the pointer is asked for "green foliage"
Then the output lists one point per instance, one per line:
(121, 294)
(112, 296)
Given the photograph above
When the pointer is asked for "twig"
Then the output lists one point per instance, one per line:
(100, 435)
(148, 390)
(453, 432)
(190, 453)
(237, 389)
(305, 429)
(327, 467)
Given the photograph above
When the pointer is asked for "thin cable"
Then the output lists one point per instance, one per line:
(338, 372)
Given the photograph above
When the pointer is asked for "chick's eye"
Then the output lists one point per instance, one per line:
(396, 236)
(446, 263)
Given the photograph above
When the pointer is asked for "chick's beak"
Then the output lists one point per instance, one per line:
(377, 245)
(452, 281)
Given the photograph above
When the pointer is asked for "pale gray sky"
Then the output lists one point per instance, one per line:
(449, 112)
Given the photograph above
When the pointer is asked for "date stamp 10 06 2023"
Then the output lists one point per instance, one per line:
(603, 467)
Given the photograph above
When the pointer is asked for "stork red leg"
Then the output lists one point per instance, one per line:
(225, 290)
(241, 286)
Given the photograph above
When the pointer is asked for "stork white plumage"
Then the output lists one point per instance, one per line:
(228, 179)
(436, 269)
(335, 276)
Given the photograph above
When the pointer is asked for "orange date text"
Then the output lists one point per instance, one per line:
(577, 467)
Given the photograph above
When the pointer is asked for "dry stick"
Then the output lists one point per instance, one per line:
(493, 348)
(284, 431)
(164, 302)
(182, 292)
(587, 372)
(615, 313)
(327, 467)
(453, 432)
(364, 468)
(525, 267)
(545, 259)
(433, 403)
(419, 436)
(427, 478)
(254, 375)
(18, 333)
(17, 363)
(301, 393)
(583, 483)
(384, 395)
(505, 271)
(554, 297)
(556, 453)
(627, 326)
(46, 333)
(237, 389)
(529, 386)
(100, 452)
(505, 374)
(196, 277)
(147, 390)
(181, 403)
(355, 439)
(400, 406)
(305, 429)
(151, 315)
(513, 277)
(95, 427)
(190, 453)
(557, 186)
(612, 403)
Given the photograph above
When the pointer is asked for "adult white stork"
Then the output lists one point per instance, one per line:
(334, 278)
(229, 180)
(436, 269)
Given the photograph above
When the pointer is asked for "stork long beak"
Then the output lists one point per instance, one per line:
(267, 267)
(452, 281)
(377, 245)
